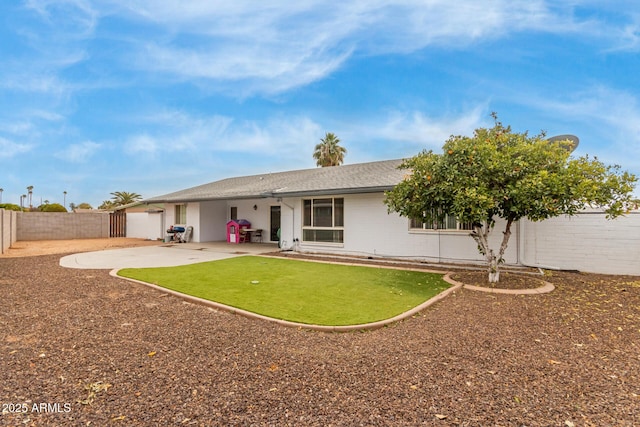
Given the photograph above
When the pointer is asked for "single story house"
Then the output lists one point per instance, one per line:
(340, 210)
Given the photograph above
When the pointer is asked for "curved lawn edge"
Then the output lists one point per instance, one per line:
(322, 328)
(546, 288)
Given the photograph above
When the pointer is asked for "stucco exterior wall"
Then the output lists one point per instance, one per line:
(370, 231)
(211, 222)
(61, 225)
(586, 242)
(145, 225)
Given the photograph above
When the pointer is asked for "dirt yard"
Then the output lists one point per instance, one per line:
(49, 247)
(80, 347)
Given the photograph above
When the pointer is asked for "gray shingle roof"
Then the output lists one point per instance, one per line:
(356, 178)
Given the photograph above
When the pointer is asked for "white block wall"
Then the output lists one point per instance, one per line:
(586, 242)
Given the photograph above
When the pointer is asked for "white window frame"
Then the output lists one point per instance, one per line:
(335, 228)
(416, 224)
(180, 212)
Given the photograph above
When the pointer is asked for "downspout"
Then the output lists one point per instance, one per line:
(163, 225)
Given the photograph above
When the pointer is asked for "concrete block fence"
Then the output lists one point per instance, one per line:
(61, 225)
(8, 229)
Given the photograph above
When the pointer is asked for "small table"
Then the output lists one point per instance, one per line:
(249, 231)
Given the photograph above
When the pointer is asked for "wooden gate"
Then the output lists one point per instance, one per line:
(118, 224)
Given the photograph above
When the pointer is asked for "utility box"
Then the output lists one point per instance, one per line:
(233, 229)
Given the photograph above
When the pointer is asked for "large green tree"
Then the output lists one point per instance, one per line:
(329, 152)
(498, 173)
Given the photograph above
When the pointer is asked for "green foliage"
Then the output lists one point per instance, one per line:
(498, 173)
(53, 207)
(124, 198)
(10, 207)
(84, 205)
(107, 204)
(299, 291)
(329, 152)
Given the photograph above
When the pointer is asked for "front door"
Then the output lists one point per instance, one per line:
(275, 223)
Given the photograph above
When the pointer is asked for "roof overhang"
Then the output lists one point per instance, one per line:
(278, 194)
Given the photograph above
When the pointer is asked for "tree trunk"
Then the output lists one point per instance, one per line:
(481, 235)
(494, 269)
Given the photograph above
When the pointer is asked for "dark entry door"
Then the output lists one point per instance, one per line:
(275, 223)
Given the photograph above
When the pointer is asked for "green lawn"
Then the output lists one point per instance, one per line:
(299, 291)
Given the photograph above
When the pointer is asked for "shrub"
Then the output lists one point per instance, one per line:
(53, 207)
(10, 207)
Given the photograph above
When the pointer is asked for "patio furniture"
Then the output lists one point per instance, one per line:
(177, 233)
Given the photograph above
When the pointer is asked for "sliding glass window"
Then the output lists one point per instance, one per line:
(323, 220)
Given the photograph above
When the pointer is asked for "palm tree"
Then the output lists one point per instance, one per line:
(64, 203)
(106, 205)
(329, 152)
(1, 190)
(30, 191)
(124, 198)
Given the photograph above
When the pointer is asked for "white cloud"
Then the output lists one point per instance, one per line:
(9, 149)
(79, 153)
(141, 144)
(73, 19)
(277, 137)
(279, 45)
(275, 47)
(179, 134)
(606, 120)
(627, 38)
(418, 130)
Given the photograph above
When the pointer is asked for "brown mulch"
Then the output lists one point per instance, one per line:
(79, 347)
(507, 280)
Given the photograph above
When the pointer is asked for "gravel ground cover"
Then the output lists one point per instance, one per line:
(79, 348)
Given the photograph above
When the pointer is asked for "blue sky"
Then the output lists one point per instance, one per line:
(151, 97)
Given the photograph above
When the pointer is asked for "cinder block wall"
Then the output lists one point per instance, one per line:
(586, 242)
(61, 225)
(7, 229)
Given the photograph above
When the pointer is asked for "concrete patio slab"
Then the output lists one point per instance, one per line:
(162, 256)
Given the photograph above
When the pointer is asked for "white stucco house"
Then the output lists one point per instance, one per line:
(340, 210)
